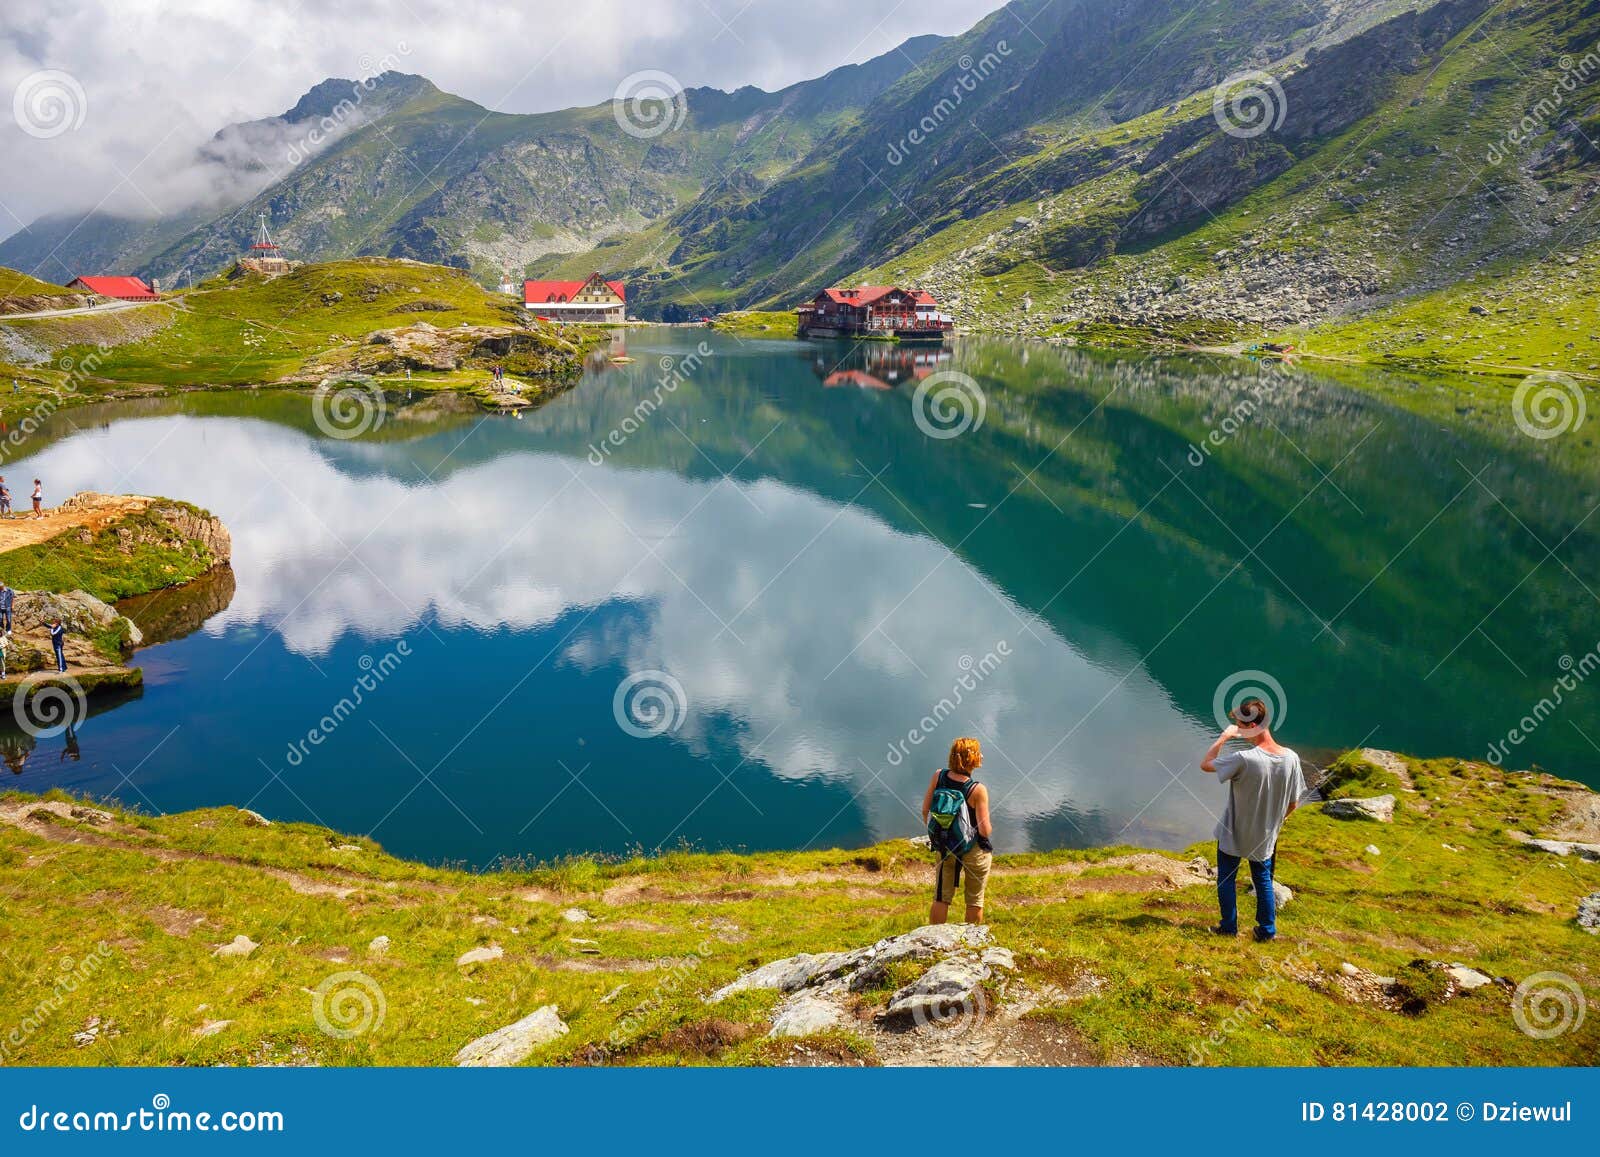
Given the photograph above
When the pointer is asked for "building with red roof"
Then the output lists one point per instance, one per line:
(117, 288)
(885, 311)
(595, 301)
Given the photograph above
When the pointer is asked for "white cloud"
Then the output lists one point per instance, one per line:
(158, 77)
(838, 639)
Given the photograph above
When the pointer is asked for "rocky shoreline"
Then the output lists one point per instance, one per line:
(100, 637)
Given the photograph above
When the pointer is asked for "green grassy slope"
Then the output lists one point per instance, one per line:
(1112, 944)
(251, 330)
(17, 284)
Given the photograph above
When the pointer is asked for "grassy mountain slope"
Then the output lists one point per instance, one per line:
(1114, 963)
(295, 328)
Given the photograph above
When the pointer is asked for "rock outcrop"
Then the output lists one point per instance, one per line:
(515, 1043)
(425, 347)
(1378, 807)
(86, 618)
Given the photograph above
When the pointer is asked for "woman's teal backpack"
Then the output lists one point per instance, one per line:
(951, 830)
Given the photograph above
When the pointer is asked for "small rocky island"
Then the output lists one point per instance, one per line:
(86, 555)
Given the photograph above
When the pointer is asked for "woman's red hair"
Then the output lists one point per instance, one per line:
(964, 756)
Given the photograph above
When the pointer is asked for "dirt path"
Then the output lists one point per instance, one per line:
(97, 828)
(80, 310)
(93, 511)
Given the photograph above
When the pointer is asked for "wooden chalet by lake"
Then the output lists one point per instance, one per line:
(887, 312)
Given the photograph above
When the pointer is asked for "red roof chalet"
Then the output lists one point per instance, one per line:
(121, 288)
(558, 292)
(875, 311)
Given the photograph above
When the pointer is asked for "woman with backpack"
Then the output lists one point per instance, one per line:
(956, 810)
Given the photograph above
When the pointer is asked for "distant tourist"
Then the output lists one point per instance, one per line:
(956, 810)
(5, 650)
(38, 498)
(58, 640)
(1265, 784)
(5, 498)
(7, 597)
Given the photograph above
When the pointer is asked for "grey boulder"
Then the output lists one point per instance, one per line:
(1378, 807)
(514, 1043)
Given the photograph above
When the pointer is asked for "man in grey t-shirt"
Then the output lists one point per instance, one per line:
(1265, 784)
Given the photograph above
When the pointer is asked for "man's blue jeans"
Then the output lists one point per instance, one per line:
(1227, 900)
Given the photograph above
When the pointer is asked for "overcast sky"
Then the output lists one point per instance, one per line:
(108, 98)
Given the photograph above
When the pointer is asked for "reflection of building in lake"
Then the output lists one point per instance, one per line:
(877, 365)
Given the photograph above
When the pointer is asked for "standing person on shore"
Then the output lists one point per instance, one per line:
(7, 598)
(38, 498)
(1265, 784)
(58, 640)
(5, 650)
(956, 809)
(5, 498)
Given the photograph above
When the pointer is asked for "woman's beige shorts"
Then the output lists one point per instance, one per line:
(974, 867)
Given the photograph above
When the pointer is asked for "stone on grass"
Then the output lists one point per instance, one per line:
(1378, 807)
(576, 916)
(999, 958)
(480, 955)
(805, 1013)
(238, 946)
(860, 966)
(943, 991)
(1566, 848)
(1372, 850)
(1589, 912)
(378, 946)
(514, 1043)
(1282, 894)
(254, 819)
(1467, 978)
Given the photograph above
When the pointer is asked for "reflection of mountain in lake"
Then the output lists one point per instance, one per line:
(813, 571)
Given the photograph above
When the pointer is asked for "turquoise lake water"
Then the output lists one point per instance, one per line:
(755, 616)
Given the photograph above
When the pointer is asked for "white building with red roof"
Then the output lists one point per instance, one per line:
(595, 301)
